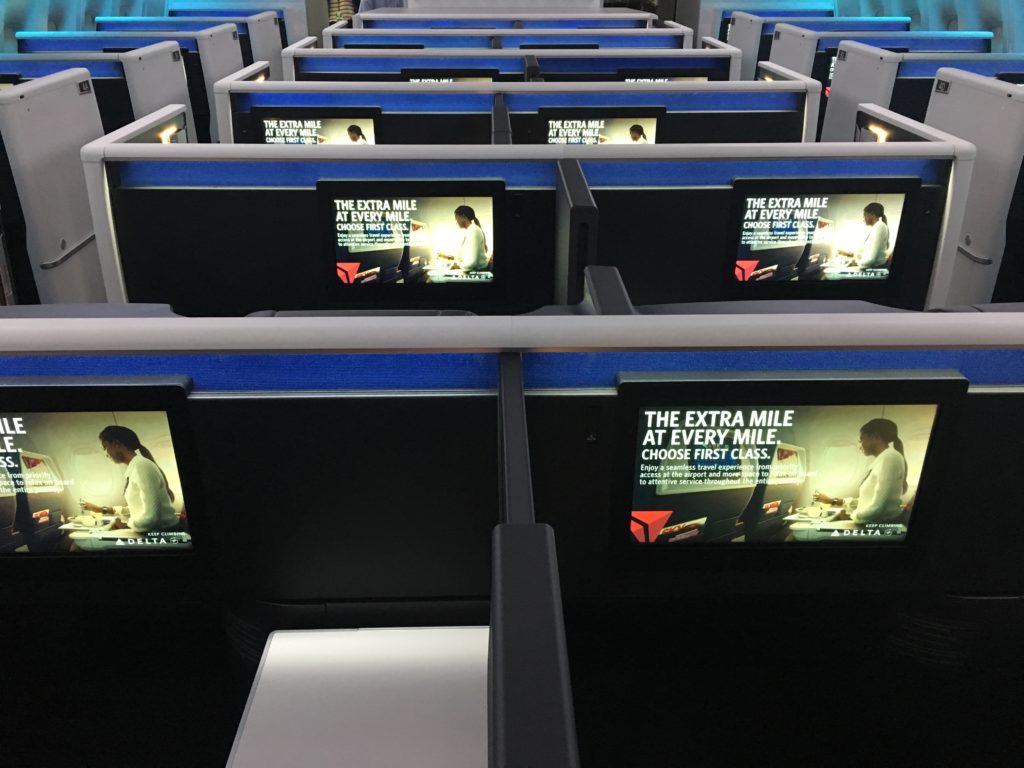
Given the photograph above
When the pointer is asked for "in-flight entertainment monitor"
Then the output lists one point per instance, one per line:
(804, 230)
(596, 125)
(449, 75)
(347, 127)
(791, 458)
(413, 242)
(676, 75)
(95, 470)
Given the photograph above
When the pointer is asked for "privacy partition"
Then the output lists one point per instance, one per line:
(399, 245)
(305, 62)
(903, 82)
(48, 247)
(127, 85)
(712, 17)
(483, 113)
(817, 53)
(208, 56)
(372, 226)
(440, 376)
(672, 35)
(754, 34)
(406, 18)
(258, 35)
(357, 549)
(989, 112)
(291, 14)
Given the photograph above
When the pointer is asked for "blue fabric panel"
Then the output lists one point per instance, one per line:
(877, 24)
(340, 39)
(583, 23)
(417, 101)
(694, 101)
(44, 42)
(293, 174)
(513, 64)
(229, 12)
(974, 42)
(277, 372)
(184, 24)
(646, 39)
(454, 371)
(31, 68)
(981, 66)
(439, 24)
(599, 369)
(693, 173)
(590, 64)
(786, 12)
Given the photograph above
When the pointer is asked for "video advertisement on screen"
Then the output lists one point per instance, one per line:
(617, 130)
(346, 131)
(90, 482)
(595, 126)
(445, 76)
(778, 474)
(816, 235)
(412, 239)
(655, 78)
(786, 461)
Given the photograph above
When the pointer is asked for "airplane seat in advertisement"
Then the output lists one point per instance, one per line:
(10, 539)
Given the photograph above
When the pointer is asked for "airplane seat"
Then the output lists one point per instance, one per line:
(36, 311)
(362, 313)
(768, 307)
(10, 540)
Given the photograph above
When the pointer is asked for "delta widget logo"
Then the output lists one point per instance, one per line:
(347, 271)
(646, 526)
(744, 269)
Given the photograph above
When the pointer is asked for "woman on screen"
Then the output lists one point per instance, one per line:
(472, 255)
(355, 134)
(874, 252)
(880, 498)
(636, 134)
(149, 504)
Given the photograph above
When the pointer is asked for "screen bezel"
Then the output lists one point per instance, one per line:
(259, 114)
(945, 389)
(96, 394)
(889, 289)
(379, 296)
(544, 114)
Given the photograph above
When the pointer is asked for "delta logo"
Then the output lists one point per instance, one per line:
(347, 271)
(744, 269)
(646, 526)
